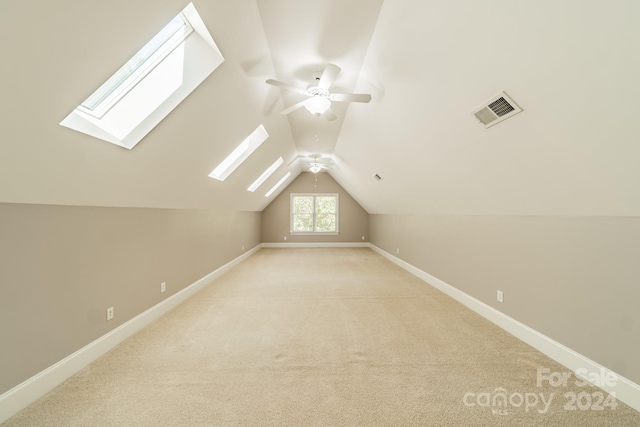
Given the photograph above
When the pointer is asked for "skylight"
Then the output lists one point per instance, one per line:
(131, 73)
(266, 174)
(125, 108)
(275, 187)
(240, 154)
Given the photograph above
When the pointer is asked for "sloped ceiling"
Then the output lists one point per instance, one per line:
(572, 66)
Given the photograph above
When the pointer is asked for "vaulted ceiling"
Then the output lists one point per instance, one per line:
(571, 65)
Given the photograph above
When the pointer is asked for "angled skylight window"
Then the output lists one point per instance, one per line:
(150, 85)
(240, 154)
(266, 174)
(275, 187)
(131, 73)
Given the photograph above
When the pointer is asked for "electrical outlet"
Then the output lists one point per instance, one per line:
(243, 247)
(285, 237)
(362, 237)
(163, 287)
(109, 313)
(500, 296)
(397, 251)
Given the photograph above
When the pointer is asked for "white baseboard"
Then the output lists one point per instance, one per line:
(625, 390)
(22, 395)
(317, 245)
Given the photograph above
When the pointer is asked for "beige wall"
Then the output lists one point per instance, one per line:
(62, 266)
(354, 220)
(574, 279)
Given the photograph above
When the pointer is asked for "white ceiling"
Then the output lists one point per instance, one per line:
(572, 66)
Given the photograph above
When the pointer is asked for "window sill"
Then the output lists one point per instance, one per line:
(310, 233)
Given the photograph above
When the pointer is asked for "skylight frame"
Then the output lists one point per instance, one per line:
(240, 154)
(266, 174)
(275, 187)
(156, 95)
(124, 85)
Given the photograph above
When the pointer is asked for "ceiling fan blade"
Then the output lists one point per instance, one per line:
(286, 86)
(322, 166)
(293, 107)
(323, 161)
(328, 76)
(350, 97)
(330, 115)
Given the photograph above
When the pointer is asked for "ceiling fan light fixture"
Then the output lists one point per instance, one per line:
(315, 168)
(317, 105)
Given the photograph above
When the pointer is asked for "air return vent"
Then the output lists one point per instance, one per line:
(495, 110)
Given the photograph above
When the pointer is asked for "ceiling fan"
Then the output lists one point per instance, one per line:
(317, 166)
(319, 97)
(315, 163)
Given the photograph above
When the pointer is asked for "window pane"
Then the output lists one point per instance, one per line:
(303, 205)
(303, 222)
(325, 205)
(325, 222)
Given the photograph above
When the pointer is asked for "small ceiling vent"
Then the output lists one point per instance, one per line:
(495, 110)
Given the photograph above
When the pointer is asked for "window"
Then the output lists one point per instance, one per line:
(125, 108)
(240, 154)
(266, 174)
(137, 68)
(314, 213)
(278, 184)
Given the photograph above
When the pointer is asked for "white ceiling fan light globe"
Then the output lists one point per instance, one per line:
(317, 105)
(315, 168)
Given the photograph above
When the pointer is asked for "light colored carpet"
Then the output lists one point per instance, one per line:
(316, 337)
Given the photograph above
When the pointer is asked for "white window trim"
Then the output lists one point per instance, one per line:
(314, 233)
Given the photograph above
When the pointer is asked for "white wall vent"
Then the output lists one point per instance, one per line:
(495, 110)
